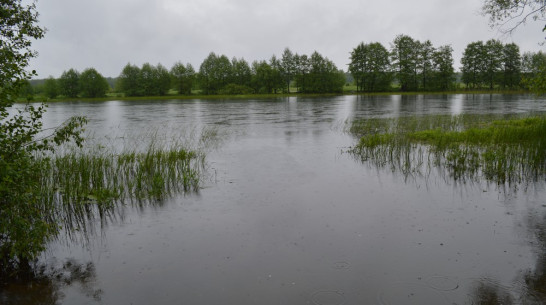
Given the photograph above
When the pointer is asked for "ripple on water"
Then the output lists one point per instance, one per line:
(341, 265)
(442, 283)
(411, 294)
(328, 297)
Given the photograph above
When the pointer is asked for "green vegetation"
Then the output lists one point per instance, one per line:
(79, 186)
(498, 149)
(44, 192)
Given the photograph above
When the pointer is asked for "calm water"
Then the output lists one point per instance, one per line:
(285, 217)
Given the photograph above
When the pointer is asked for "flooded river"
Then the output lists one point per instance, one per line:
(286, 216)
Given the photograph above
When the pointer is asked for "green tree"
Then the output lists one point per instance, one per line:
(214, 73)
(370, 67)
(443, 74)
(93, 84)
(288, 67)
(303, 68)
(534, 71)
(27, 220)
(129, 81)
(425, 53)
(511, 65)
(404, 52)
(263, 79)
(493, 62)
(50, 87)
(162, 80)
(182, 77)
(473, 61)
(69, 83)
(147, 79)
(241, 74)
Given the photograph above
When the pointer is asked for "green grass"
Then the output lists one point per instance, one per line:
(502, 149)
(85, 186)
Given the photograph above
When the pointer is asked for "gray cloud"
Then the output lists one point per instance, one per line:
(106, 34)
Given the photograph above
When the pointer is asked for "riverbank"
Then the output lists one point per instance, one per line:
(120, 97)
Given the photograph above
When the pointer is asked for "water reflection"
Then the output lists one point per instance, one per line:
(289, 219)
(46, 284)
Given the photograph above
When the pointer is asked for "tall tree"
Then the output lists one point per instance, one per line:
(69, 83)
(241, 74)
(370, 67)
(51, 89)
(425, 54)
(162, 80)
(214, 73)
(129, 81)
(511, 62)
(404, 60)
(443, 73)
(93, 84)
(493, 62)
(182, 77)
(302, 71)
(473, 62)
(288, 67)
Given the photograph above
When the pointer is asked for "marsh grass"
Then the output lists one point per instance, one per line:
(86, 186)
(498, 148)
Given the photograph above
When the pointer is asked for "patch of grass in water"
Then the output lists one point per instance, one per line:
(502, 149)
(83, 186)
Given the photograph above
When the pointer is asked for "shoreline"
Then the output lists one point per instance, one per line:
(269, 96)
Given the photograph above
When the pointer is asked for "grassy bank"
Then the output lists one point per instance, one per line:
(502, 149)
(347, 91)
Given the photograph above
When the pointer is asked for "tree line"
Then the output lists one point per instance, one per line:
(408, 65)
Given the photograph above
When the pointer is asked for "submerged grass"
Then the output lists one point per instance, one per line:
(500, 148)
(85, 186)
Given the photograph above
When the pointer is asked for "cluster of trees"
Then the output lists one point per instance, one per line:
(491, 64)
(219, 75)
(89, 83)
(414, 65)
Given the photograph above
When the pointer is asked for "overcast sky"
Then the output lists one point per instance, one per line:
(107, 34)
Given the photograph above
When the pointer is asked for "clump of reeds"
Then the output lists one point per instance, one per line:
(501, 149)
(81, 186)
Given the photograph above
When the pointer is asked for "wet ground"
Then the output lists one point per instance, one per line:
(286, 217)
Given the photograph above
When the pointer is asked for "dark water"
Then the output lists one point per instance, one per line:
(285, 217)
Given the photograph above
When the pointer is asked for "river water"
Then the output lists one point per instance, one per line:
(285, 216)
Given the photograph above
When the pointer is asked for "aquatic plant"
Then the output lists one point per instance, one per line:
(498, 148)
(85, 186)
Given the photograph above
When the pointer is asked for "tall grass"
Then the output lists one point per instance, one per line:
(498, 148)
(81, 187)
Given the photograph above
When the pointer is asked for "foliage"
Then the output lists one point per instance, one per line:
(404, 60)
(69, 83)
(51, 87)
(370, 67)
(93, 84)
(491, 64)
(129, 81)
(25, 223)
(182, 77)
(534, 72)
(507, 15)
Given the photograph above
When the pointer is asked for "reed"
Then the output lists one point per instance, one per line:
(83, 186)
(498, 148)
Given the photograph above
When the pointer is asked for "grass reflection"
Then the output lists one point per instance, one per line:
(503, 149)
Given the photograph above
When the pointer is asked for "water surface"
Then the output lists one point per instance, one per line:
(285, 217)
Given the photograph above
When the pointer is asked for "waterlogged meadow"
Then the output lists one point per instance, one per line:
(505, 149)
